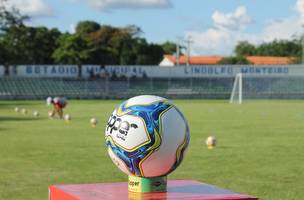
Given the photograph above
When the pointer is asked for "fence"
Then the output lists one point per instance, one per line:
(285, 87)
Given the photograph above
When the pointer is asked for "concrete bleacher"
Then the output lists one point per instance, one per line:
(209, 88)
(37, 88)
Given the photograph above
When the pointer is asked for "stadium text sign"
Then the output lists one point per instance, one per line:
(192, 71)
(47, 70)
(156, 71)
(1, 70)
(128, 71)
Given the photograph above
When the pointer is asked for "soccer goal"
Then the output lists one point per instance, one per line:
(237, 90)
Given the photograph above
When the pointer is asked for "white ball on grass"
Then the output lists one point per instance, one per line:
(93, 121)
(36, 114)
(67, 117)
(211, 142)
(24, 111)
(51, 114)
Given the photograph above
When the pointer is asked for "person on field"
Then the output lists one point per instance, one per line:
(59, 103)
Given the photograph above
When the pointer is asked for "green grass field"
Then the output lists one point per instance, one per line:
(260, 148)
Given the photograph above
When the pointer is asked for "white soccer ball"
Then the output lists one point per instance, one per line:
(36, 114)
(24, 111)
(17, 109)
(147, 136)
(93, 121)
(211, 141)
(67, 117)
(51, 114)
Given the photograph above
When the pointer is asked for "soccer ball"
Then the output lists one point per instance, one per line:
(211, 142)
(17, 109)
(147, 136)
(67, 117)
(93, 121)
(51, 114)
(36, 114)
(24, 111)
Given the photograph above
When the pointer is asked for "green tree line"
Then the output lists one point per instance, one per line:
(277, 48)
(92, 43)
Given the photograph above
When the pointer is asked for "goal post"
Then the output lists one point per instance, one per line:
(237, 90)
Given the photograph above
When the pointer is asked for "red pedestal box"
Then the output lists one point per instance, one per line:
(177, 190)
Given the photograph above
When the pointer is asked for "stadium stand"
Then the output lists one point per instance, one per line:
(209, 88)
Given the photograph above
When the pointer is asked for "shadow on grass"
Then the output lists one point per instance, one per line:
(17, 118)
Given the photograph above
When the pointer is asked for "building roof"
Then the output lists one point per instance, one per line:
(269, 60)
(212, 60)
(195, 60)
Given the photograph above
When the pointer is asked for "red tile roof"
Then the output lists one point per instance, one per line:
(212, 60)
(195, 60)
(269, 60)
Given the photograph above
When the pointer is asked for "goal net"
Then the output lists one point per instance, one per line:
(266, 87)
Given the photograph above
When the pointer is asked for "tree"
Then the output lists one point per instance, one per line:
(244, 48)
(3, 53)
(115, 44)
(148, 54)
(10, 17)
(289, 48)
(72, 49)
(84, 28)
(30, 45)
(169, 47)
(133, 30)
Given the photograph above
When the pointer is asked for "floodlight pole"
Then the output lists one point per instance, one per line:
(189, 41)
(177, 51)
(302, 40)
(302, 44)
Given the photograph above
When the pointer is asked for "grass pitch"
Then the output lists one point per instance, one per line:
(260, 148)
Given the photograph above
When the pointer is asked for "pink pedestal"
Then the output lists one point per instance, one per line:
(177, 190)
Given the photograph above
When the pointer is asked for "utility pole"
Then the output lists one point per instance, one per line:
(302, 39)
(177, 51)
(302, 44)
(188, 41)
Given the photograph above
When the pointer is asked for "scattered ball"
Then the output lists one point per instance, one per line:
(36, 114)
(67, 117)
(211, 142)
(24, 111)
(17, 109)
(93, 121)
(51, 114)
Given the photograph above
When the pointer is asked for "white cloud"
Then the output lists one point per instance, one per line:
(300, 7)
(282, 29)
(234, 21)
(111, 4)
(32, 8)
(228, 29)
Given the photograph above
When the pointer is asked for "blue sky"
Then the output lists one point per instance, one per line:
(214, 26)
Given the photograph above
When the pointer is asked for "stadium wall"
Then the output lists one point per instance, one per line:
(87, 71)
(117, 82)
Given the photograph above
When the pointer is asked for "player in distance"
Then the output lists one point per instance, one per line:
(59, 103)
